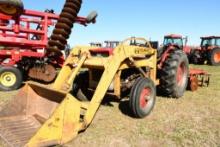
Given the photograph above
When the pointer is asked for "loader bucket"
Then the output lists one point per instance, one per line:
(38, 116)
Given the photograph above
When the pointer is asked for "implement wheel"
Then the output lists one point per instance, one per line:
(214, 57)
(142, 97)
(10, 78)
(11, 7)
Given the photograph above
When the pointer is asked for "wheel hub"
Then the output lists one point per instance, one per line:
(217, 57)
(181, 73)
(8, 79)
(145, 97)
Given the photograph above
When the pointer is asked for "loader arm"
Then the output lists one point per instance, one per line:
(80, 114)
(111, 65)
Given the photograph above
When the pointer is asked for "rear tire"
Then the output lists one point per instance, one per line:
(11, 7)
(174, 74)
(142, 97)
(10, 78)
(214, 57)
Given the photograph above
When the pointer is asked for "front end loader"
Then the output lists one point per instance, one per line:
(40, 116)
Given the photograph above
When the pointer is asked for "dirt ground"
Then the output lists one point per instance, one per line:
(193, 120)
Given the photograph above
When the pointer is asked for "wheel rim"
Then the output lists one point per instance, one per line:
(217, 57)
(8, 9)
(181, 74)
(145, 97)
(8, 79)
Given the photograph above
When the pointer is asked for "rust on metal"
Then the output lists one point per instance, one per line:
(63, 27)
(193, 83)
(25, 114)
(46, 73)
(198, 77)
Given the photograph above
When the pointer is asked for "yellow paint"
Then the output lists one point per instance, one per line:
(8, 79)
(70, 108)
(63, 125)
(72, 115)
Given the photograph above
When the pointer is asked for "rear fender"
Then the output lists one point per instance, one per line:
(165, 55)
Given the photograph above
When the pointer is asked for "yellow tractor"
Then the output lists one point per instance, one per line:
(40, 116)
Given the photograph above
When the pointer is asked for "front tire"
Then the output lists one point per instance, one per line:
(10, 78)
(142, 97)
(174, 74)
(214, 57)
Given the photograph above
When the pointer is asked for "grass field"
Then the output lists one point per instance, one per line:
(193, 120)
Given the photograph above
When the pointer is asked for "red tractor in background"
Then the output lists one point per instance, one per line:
(24, 50)
(173, 66)
(178, 41)
(209, 51)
